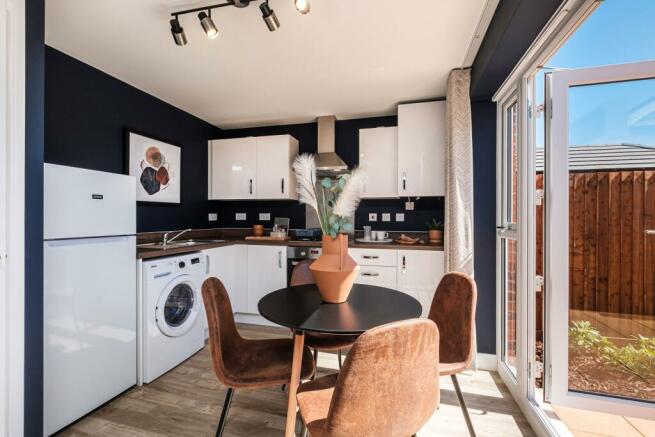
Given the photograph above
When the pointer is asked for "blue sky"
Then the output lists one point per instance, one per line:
(619, 31)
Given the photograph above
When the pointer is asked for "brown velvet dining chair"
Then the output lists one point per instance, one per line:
(301, 275)
(453, 310)
(388, 386)
(244, 363)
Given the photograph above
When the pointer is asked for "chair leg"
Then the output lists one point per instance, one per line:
(462, 404)
(339, 354)
(303, 431)
(315, 364)
(226, 408)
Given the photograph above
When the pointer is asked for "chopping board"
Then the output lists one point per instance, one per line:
(266, 238)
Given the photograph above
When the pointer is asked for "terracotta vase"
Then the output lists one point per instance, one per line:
(335, 271)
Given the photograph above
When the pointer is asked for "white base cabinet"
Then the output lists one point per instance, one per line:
(419, 273)
(228, 264)
(267, 271)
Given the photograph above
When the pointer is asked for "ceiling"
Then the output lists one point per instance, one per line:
(348, 58)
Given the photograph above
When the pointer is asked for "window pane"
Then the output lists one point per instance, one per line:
(611, 254)
(509, 303)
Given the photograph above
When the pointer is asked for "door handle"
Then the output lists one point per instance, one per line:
(370, 256)
(250, 186)
(371, 274)
(404, 265)
(282, 185)
(279, 259)
(404, 181)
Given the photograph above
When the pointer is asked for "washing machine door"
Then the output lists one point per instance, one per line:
(178, 306)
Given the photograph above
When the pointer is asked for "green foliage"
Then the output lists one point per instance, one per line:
(330, 189)
(434, 225)
(636, 358)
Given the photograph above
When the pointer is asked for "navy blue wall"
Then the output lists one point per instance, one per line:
(484, 207)
(86, 114)
(34, 121)
(347, 146)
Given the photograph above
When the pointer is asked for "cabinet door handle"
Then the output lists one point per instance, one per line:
(404, 181)
(404, 264)
(207, 264)
(371, 274)
(370, 257)
(282, 185)
(250, 186)
(279, 259)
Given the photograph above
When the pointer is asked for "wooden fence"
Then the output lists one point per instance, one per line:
(611, 258)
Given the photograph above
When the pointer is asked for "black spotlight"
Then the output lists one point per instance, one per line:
(269, 17)
(208, 25)
(178, 33)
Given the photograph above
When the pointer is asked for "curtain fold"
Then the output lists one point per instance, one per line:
(458, 226)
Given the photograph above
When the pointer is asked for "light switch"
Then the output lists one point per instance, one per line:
(386, 217)
(213, 217)
(264, 216)
(372, 217)
(240, 216)
(400, 217)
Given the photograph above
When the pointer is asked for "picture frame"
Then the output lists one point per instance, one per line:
(156, 163)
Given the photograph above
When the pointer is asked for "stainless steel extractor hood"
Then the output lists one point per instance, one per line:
(328, 163)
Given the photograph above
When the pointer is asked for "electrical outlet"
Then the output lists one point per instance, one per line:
(264, 216)
(240, 216)
(409, 205)
(386, 217)
(372, 217)
(400, 217)
(213, 217)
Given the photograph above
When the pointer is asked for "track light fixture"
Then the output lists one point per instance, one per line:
(208, 25)
(178, 33)
(269, 17)
(302, 6)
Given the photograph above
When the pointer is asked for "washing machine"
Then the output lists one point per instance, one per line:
(172, 319)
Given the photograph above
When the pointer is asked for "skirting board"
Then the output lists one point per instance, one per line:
(487, 362)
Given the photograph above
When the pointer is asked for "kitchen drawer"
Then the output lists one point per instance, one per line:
(376, 275)
(374, 257)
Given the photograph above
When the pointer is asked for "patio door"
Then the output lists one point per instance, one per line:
(600, 238)
(507, 241)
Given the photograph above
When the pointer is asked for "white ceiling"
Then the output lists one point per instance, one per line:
(351, 58)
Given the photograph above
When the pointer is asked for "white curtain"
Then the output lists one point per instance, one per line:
(458, 235)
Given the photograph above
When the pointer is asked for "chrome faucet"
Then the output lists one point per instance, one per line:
(166, 240)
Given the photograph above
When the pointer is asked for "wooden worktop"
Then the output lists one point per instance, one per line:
(237, 236)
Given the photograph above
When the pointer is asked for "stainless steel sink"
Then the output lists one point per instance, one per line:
(177, 244)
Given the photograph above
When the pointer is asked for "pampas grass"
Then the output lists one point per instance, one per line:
(349, 198)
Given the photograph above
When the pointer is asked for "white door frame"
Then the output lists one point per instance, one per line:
(557, 231)
(12, 211)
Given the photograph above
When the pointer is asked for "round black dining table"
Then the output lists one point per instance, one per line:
(301, 309)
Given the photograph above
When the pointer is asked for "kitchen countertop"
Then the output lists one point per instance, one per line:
(237, 236)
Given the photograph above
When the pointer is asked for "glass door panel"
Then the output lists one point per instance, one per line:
(601, 238)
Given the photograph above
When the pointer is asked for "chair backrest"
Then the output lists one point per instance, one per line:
(223, 335)
(389, 382)
(301, 275)
(453, 310)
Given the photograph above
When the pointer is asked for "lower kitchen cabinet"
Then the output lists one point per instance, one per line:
(267, 271)
(379, 276)
(418, 273)
(227, 264)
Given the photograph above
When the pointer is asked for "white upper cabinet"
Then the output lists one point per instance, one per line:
(275, 177)
(252, 168)
(233, 168)
(377, 157)
(421, 149)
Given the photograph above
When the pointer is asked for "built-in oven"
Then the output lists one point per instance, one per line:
(297, 254)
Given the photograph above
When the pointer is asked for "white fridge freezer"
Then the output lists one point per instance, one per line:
(89, 291)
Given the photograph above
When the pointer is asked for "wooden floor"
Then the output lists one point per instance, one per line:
(187, 402)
